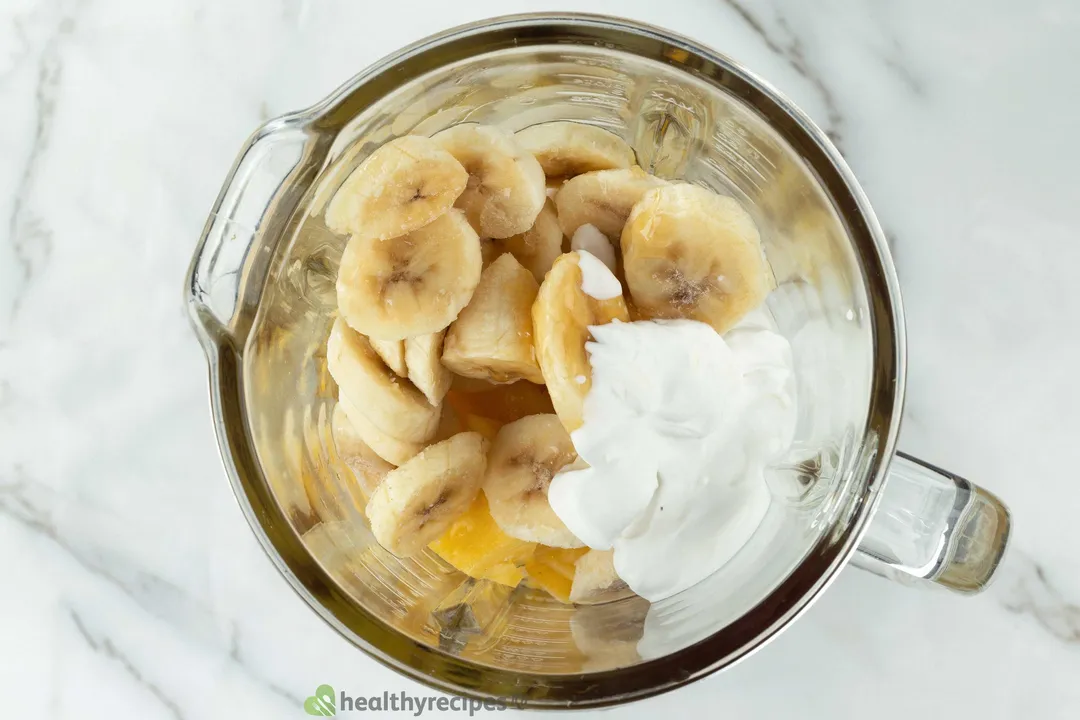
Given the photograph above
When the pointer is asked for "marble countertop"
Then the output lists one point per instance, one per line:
(133, 587)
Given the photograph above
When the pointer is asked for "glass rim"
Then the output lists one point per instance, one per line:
(790, 598)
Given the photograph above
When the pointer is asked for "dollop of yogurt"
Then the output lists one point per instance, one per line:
(679, 426)
(597, 281)
(588, 238)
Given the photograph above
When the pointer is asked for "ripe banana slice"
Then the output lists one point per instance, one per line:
(399, 188)
(562, 315)
(603, 199)
(368, 467)
(423, 358)
(393, 405)
(410, 285)
(690, 253)
(595, 580)
(417, 502)
(392, 353)
(389, 448)
(565, 149)
(524, 458)
(506, 187)
(537, 247)
(492, 338)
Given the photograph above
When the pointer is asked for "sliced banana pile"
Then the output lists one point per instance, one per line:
(459, 347)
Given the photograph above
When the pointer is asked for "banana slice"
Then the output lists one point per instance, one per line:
(603, 199)
(595, 580)
(505, 189)
(410, 285)
(417, 502)
(369, 468)
(562, 315)
(536, 248)
(389, 448)
(690, 253)
(392, 353)
(423, 358)
(525, 455)
(492, 338)
(565, 149)
(399, 188)
(393, 405)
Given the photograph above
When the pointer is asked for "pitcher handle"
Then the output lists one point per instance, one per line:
(260, 193)
(934, 527)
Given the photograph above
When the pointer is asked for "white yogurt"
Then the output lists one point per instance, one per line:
(591, 240)
(679, 425)
(597, 280)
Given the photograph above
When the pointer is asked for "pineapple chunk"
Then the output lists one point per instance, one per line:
(552, 569)
(504, 574)
(476, 546)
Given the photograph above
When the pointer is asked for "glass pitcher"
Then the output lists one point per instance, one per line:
(261, 294)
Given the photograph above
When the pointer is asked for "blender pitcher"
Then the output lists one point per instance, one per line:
(261, 294)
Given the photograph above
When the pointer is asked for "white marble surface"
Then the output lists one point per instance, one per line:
(132, 586)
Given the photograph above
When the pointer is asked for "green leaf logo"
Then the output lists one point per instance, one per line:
(322, 703)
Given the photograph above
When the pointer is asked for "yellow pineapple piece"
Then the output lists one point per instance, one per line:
(476, 546)
(505, 574)
(552, 569)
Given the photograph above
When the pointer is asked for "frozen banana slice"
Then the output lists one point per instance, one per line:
(690, 253)
(506, 186)
(524, 458)
(566, 149)
(410, 285)
(562, 315)
(602, 199)
(399, 188)
(389, 448)
(417, 502)
(423, 358)
(492, 338)
(536, 248)
(392, 404)
(366, 464)
(392, 353)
